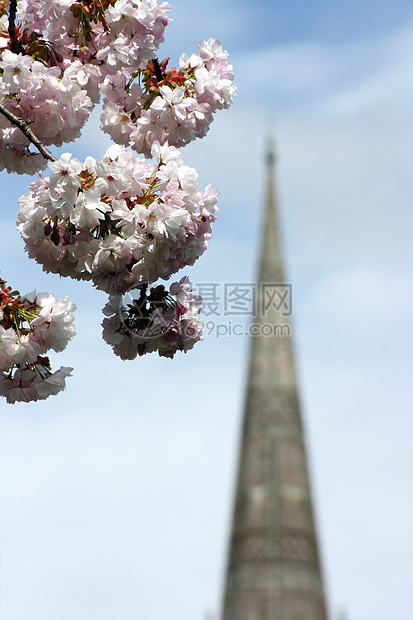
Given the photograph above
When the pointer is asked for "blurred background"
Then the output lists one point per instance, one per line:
(116, 495)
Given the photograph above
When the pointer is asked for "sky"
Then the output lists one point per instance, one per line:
(116, 495)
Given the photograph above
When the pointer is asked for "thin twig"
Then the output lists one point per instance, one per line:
(23, 125)
(16, 46)
(24, 128)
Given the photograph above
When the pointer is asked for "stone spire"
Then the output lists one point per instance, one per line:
(273, 567)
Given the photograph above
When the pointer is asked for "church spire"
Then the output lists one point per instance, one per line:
(273, 567)
(271, 268)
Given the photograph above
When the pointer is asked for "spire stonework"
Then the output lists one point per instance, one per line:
(273, 567)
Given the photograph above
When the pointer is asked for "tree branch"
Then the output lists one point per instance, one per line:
(25, 129)
(16, 46)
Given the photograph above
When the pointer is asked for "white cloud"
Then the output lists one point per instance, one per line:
(335, 82)
(386, 89)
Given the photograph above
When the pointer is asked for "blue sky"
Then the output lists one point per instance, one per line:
(116, 495)
(325, 21)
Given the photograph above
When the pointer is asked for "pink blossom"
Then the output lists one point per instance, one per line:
(171, 323)
(177, 108)
(124, 222)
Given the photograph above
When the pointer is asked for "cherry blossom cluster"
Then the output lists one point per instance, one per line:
(112, 35)
(52, 68)
(174, 106)
(163, 321)
(52, 97)
(120, 221)
(30, 325)
(65, 52)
